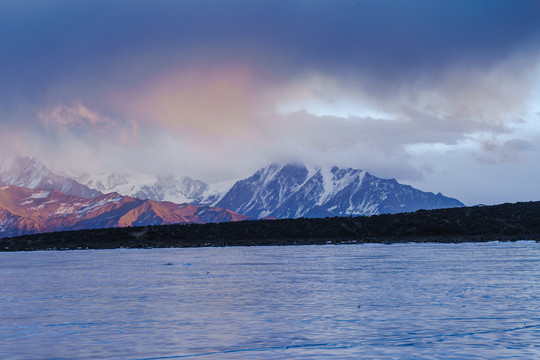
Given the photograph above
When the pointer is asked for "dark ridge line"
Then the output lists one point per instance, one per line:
(505, 222)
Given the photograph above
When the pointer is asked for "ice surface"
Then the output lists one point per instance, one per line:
(409, 301)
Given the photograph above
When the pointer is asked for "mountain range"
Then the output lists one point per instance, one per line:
(281, 191)
(154, 187)
(275, 191)
(27, 211)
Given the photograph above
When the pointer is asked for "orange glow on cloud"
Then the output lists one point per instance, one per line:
(220, 102)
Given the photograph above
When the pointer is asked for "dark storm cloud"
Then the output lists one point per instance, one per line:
(44, 43)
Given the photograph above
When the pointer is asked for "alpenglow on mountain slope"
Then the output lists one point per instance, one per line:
(293, 190)
(28, 211)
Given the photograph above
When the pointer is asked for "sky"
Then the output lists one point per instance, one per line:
(442, 95)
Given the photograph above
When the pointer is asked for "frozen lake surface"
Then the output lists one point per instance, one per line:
(407, 301)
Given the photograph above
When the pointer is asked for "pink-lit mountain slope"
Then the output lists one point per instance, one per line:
(28, 211)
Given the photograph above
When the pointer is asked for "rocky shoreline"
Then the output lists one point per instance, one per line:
(506, 222)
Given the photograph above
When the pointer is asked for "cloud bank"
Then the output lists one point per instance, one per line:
(441, 95)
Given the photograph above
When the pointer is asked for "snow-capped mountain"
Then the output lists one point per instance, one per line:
(153, 187)
(31, 173)
(293, 190)
(28, 211)
(214, 193)
(278, 190)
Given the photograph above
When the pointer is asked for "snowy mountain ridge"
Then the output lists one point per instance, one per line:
(144, 186)
(295, 190)
(280, 190)
(31, 173)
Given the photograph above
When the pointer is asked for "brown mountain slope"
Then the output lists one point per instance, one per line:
(28, 211)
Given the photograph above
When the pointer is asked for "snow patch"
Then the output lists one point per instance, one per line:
(215, 193)
(101, 203)
(327, 183)
(263, 214)
(312, 170)
(40, 195)
(64, 209)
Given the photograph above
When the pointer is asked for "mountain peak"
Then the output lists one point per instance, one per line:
(291, 190)
(32, 173)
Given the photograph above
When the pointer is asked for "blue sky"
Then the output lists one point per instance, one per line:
(442, 95)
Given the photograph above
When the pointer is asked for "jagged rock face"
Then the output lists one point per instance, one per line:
(265, 190)
(292, 191)
(31, 173)
(28, 211)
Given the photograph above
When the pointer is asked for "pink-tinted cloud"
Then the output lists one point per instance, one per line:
(65, 117)
(77, 118)
(215, 102)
